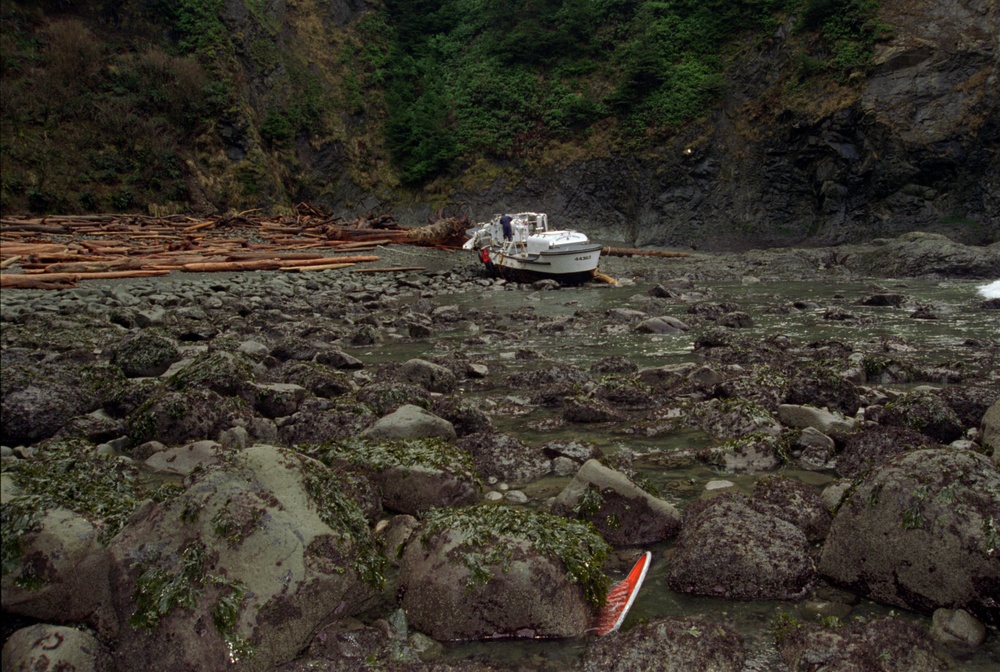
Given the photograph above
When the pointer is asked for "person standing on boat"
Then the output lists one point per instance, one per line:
(508, 231)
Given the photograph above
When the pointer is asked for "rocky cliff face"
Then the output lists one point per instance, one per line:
(914, 146)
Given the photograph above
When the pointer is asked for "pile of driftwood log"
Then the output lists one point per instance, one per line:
(56, 252)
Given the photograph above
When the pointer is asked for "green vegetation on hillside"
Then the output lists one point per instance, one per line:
(499, 78)
(155, 105)
(93, 121)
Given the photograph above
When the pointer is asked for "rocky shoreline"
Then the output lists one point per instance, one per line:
(207, 472)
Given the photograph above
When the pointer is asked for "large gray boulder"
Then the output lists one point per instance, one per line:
(411, 422)
(728, 549)
(921, 532)
(53, 648)
(432, 377)
(240, 568)
(490, 572)
(801, 417)
(624, 513)
(62, 573)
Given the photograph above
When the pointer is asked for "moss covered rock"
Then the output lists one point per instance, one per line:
(143, 355)
(923, 412)
(411, 475)
(921, 531)
(494, 572)
(173, 417)
(241, 568)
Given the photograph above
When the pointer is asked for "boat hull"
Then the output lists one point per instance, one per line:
(572, 265)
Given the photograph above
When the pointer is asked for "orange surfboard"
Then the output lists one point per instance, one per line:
(621, 597)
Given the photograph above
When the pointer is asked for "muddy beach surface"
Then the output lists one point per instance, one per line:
(256, 469)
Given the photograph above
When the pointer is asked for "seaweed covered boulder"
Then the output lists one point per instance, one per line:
(38, 398)
(669, 645)
(624, 513)
(824, 384)
(228, 374)
(61, 505)
(921, 411)
(921, 531)
(412, 475)
(734, 417)
(175, 417)
(872, 445)
(240, 569)
(727, 549)
(753, 452)
(884, 644)
(488, 572)
(319, 420)
(144, 354)
(504, 457)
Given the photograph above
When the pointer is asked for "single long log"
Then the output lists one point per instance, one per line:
(27, 281)
(34, 228)
(48, 259)
(93, 266)
(33, 248)
(250, 256)
(198, 227)
(330, 260)
(633, 252)
(389, 269)
(227, 266)
(10, 262)
(364, 243)
(306, 269)
(17, 281)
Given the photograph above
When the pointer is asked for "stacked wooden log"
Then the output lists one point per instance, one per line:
(58, 251)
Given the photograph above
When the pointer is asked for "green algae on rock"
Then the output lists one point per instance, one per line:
(575, 543)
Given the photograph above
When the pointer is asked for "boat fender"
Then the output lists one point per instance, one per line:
(484, 255)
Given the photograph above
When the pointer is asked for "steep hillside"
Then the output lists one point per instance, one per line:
(705, 123)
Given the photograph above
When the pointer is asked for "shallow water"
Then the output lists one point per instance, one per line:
(961, 332)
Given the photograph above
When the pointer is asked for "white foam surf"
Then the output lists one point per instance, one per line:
(990, 291)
